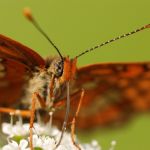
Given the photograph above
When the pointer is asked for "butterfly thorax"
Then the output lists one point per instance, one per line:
(50, 81)
(41, 81)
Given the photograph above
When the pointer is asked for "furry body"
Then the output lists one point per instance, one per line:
(40, 83)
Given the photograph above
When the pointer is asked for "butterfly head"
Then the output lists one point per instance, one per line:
(65, 69)
(56, 67)
(69, 69)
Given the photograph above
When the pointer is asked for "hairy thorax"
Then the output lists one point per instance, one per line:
(40, 83)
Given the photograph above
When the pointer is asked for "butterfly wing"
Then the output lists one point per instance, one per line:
(14, 50)
(113, 92)
(16, 63)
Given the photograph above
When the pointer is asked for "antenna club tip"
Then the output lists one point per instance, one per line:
(27, 13)
(148, 26)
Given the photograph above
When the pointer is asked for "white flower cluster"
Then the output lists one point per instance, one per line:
(44, 138)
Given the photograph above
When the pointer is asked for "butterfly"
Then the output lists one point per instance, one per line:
(113, 91)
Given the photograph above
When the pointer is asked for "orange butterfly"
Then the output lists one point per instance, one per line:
(113, 92)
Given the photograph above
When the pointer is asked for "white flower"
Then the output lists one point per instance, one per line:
(44, 142)
(15, 146)
(42, 129)
(113, 144)
(45, 137)
(15, 130)
(62, 147)
(91, 146)
(23, 129)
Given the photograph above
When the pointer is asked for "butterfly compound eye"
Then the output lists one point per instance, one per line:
(59, 69)
(56, 67)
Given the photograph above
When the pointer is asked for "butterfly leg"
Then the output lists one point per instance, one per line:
(35, 97)
(23, 113)
(74, 121)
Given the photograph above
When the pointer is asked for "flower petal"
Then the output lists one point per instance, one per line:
(7, 128)
(6, 147)
(23, 144)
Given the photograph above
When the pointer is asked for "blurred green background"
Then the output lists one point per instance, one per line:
(75, 25)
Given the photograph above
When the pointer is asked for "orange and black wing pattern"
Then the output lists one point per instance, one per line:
(113, 93)
(16, 60)
(14, 50)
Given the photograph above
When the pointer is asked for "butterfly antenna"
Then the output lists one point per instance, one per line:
(112, 40)
(28, 15)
